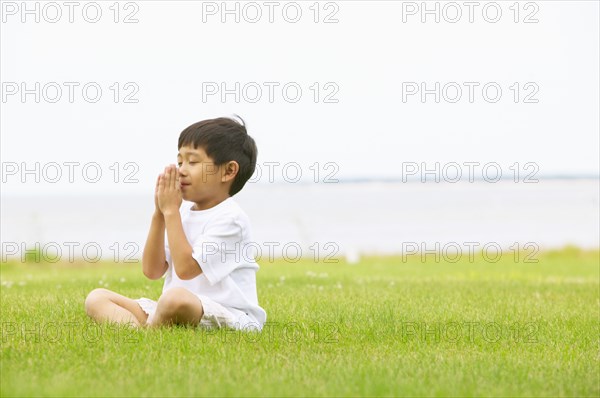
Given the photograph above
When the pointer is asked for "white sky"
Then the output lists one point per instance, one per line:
(368, 55)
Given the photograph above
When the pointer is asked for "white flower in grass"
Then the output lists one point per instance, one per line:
(22, 283)
(122, 280)
(58, 286)
(282, 278)
(101, 282)
(323, 275)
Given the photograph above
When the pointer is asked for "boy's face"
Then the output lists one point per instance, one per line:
(200, 180)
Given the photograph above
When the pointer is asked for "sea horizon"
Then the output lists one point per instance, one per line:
(344, 219)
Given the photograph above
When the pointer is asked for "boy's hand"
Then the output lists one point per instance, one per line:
(169, 195)
(156, 206)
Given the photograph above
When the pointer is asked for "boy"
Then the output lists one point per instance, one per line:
(210, 279)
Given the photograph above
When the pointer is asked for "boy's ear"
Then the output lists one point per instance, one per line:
(230, 170)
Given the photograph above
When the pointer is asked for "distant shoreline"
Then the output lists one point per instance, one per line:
(340, 181)
(477, 179)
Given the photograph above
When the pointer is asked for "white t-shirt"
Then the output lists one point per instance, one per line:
(220, 240)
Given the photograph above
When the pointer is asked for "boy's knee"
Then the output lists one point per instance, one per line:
(95, 297)
(173, 301)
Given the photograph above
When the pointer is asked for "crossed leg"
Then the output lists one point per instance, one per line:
(103, 305)
(178, 306)
(175, 306)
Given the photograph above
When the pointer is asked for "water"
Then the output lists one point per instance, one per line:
(329, 219)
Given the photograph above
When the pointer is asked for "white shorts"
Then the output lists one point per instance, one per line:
(215, 315)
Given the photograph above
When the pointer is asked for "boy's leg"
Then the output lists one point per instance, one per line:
(105, 305)
(178, 305)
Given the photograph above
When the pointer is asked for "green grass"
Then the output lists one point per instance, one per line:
(381, 327)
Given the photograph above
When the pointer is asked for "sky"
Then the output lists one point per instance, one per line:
(95, 94)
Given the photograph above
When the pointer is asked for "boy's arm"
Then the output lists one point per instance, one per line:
(169, 200)
(154, 262)
(185, 266)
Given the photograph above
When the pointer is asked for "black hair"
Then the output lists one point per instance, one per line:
(224, 139)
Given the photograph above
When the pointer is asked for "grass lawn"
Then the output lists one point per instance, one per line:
(386, 326)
